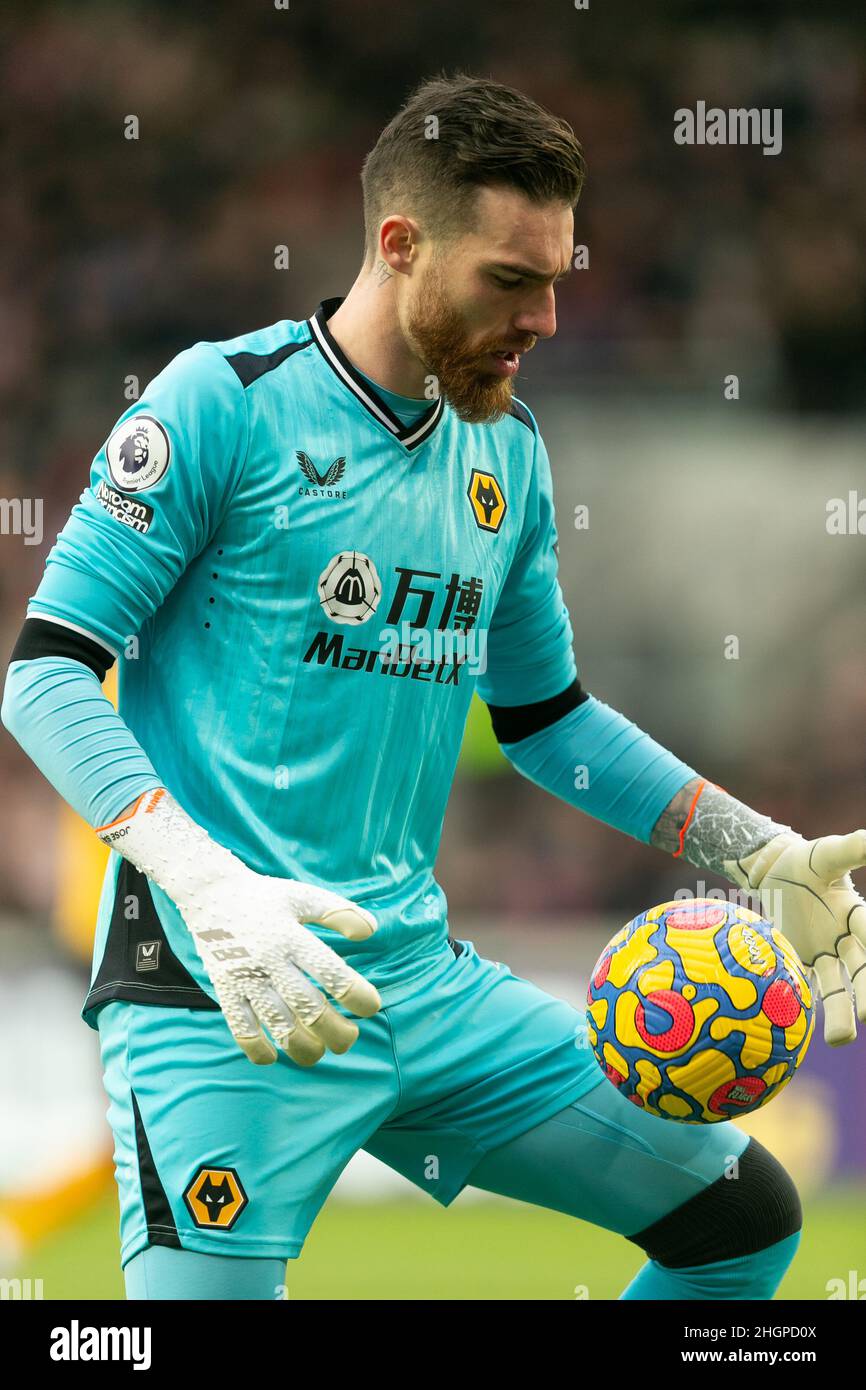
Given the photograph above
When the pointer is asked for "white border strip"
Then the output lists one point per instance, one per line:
(423, 430)
(349, 380)
(64, 622)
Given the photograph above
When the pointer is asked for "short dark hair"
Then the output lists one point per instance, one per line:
(484, 134)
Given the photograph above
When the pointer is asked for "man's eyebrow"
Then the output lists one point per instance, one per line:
(526, 271)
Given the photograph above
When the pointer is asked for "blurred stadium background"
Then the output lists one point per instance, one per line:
(707, 517)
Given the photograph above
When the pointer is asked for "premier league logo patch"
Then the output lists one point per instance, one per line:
(138, 453)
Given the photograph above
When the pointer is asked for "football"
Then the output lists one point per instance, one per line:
(699, 1010)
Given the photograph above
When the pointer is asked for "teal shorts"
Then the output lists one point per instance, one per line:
(217, 1155)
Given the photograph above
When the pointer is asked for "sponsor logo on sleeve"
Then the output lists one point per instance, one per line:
(128, 510)
(138, 453)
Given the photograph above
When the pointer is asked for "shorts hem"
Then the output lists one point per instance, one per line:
(266, 1247)
(553, 1103)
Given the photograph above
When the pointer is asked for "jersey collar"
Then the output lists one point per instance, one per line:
(411, 435)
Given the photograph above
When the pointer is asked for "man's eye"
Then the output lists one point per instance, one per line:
(505, 284)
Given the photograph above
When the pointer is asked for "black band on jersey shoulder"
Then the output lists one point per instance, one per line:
(757, 1206)
(520, 413)
(511, 723)
(40, 637)
(161, 1229)
(138, 964)
(249, 366)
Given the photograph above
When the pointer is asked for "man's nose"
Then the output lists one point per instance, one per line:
(538, 318)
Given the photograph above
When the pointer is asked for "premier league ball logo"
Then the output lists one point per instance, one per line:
(350, 588)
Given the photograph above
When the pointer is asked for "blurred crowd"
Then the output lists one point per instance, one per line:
(252, 122)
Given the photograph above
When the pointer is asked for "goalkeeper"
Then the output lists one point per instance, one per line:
(275, 985)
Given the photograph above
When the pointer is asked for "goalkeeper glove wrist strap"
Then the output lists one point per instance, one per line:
(163, 842)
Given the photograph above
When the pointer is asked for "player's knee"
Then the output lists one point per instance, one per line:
(756, 1207)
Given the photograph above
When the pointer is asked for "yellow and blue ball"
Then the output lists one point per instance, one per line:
(699, 1011)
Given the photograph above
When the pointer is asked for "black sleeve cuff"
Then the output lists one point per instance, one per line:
(514, 722)
(39, 637)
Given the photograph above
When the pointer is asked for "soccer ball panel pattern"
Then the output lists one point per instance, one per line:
(699, 1011)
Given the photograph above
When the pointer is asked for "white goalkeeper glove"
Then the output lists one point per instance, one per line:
(806, 887)
(247, 930)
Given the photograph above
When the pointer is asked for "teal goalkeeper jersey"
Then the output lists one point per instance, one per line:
(303, 592)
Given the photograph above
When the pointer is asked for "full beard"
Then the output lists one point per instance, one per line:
(437, 335)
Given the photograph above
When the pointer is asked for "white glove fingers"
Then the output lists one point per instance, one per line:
(258, 1049)
(337, 978)
(306, 1025)
(330, 909)
(319, 1026)
(291, 996)
(853, 954)
(284, 1025)
(336, 1032)
(361, 998)
(840, 1025)
(245, 1030)
(833, 856)
(303, 1047)
(355, 923)
(312, 1010)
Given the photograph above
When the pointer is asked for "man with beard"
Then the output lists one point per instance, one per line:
(309, 505)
